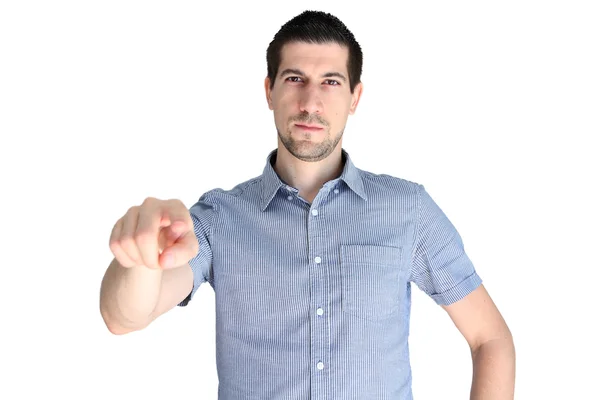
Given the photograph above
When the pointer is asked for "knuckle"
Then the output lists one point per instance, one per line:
(114, 245)
(143, 238)
(175, 204)
(125, 239)
(149, 201)
(130, 247)
(132, 255)
(132, 209)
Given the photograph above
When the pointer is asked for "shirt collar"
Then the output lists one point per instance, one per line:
(271, 182)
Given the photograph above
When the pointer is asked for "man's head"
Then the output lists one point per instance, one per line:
(313, 79)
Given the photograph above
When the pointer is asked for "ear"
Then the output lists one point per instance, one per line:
(356, 97)
(268, 92)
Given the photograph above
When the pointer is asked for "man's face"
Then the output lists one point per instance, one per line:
(311, 99)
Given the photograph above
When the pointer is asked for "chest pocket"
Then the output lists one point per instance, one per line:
(371, 280)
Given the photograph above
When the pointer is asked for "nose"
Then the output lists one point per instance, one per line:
(310, 101)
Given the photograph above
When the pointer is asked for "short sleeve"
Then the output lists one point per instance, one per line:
(440, 265)
(203, 216)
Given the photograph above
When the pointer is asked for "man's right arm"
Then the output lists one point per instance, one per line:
(131, 298)
(150, 273)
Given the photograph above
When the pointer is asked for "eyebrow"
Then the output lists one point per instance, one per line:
(294, 71)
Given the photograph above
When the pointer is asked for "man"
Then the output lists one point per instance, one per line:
(312, 261)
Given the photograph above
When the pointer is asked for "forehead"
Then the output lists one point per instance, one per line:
(312, 57)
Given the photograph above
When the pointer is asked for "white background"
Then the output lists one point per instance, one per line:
(493, 106)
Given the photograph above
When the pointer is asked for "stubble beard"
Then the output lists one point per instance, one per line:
(307, 150)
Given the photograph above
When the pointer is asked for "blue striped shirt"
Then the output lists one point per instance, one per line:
(313, 299)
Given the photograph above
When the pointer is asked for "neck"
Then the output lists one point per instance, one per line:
(307, 177)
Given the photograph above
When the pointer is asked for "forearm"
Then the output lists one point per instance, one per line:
(494, 365)
(128, 296)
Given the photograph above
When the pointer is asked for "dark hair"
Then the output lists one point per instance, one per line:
(315, 27)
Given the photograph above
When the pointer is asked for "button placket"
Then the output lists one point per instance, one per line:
(320, 341)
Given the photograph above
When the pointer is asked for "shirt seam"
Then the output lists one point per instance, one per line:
(417, 228)
(213, 222)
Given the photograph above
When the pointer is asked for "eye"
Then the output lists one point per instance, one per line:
(292, 78)
(332, 82)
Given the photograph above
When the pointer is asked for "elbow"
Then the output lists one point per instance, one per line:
(114, 326)
(503, 343)
(118, 330)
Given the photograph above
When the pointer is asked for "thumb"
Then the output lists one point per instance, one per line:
(170, 233)
(180, 252)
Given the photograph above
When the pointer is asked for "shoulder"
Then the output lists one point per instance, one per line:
(389, 184)
(245, 190)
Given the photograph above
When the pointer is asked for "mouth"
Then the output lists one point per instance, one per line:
(309, 127)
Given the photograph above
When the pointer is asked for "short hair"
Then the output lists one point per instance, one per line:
(315, 27)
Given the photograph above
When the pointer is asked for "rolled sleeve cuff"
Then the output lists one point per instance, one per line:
(459, 291)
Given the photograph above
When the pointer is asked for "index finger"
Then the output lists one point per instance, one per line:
(147, 233)
(176, 214)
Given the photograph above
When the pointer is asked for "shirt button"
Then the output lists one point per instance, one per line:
(318, 260)
(320, 365)
(319, 311)
(315, 212)
(290, 197)
(336, 191)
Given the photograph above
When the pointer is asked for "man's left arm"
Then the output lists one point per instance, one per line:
(492, 348)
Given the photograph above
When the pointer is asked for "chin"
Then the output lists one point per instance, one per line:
(312, 152)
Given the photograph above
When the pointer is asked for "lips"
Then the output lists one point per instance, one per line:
(309, 127)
